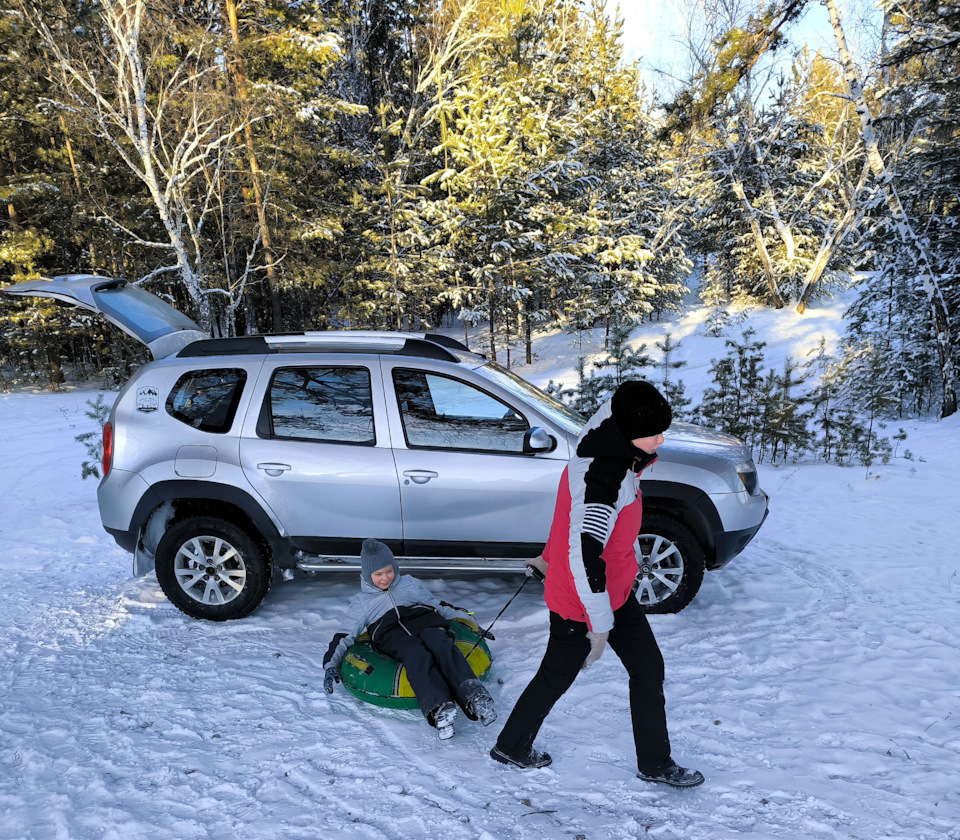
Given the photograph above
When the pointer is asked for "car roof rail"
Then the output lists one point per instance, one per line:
(423, 345)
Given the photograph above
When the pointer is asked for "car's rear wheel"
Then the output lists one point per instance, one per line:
(210, 568)
(671, 564)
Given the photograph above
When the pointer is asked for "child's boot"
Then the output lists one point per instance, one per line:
(479, 703)
(443, 717)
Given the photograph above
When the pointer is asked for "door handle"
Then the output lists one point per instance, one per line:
(420, 476)
(274, 469)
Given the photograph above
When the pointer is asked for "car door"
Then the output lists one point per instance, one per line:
(467, 488)
(155, 323)
(318, 452)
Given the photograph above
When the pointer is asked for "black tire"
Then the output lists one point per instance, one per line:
(672, 564)
(216, 591)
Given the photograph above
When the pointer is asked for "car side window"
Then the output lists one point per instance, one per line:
(207, 399)
(329, 404)
(440, 412)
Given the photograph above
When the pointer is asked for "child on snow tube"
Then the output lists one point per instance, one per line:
(405, 621)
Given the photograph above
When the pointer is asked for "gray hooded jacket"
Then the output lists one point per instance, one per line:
(371, 603)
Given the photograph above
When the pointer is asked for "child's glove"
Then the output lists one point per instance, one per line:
(330, 676)
(598, 642)
(476, 628)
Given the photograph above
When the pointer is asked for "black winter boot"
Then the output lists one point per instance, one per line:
(525, 762)
(674, 775)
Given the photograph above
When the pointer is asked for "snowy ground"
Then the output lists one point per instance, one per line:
(815, 681)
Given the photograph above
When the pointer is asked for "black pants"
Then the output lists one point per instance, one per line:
(436, 669)
(633, 641)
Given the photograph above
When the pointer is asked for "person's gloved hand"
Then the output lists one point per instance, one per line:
(536, 567)
(486, 634)
(598, 641)
(330, 676)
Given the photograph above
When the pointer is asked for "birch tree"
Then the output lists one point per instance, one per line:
(917, 248)
(157, 104)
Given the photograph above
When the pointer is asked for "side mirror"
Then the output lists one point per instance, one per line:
(536, 440)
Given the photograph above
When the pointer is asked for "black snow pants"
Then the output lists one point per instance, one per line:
(633, 641)
(436, 669)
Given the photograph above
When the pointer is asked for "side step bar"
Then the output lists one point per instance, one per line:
(331, 563)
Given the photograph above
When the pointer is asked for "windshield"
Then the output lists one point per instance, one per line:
(565, 417)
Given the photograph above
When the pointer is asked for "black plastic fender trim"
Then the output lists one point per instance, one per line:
(693, 508)
(177, 491)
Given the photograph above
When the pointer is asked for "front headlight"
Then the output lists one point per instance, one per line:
(748, 475)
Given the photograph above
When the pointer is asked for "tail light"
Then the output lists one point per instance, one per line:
(107, 449)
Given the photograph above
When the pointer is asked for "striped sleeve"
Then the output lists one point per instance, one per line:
(593, 499)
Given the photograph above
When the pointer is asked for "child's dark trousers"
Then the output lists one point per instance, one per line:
(436, 669)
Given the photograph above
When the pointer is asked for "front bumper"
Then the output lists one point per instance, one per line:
(730, 543)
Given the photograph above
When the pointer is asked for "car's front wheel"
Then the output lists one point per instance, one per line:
(671, 564)
(209, 568)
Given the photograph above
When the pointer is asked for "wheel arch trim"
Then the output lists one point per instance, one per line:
(690, 506)
(188, 497)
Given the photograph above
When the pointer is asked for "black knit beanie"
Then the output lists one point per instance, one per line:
(375, 555)
(640, 410)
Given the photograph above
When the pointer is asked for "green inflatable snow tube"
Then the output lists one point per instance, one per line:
(375, 678)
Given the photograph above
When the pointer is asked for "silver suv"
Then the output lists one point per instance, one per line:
(227, 459)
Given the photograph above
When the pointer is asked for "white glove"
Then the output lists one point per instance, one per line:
(598, 641)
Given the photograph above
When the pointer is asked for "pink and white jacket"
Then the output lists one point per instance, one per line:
(590, 549)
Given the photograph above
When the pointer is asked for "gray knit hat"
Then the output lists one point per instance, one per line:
(640, 410)
(375, 555)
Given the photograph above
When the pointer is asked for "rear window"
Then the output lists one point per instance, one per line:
(329, 404)
(207, 399)
(147, 315)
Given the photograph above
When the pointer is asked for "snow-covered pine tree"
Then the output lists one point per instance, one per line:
(621, 360)
(674, 391)
(735, 403)
(825, 399)
(785, 418)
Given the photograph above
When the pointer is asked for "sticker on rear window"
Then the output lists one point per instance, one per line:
(148, 398)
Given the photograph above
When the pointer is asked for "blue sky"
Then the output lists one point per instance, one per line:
(653, 33)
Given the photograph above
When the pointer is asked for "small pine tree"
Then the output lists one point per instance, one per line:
(785, 420)
(622, 359)
(736, 404)
(673, 391)
(717, 403)
(871, 390)
(825, 401)
(93, 440)
(716, 322)
(592, 391)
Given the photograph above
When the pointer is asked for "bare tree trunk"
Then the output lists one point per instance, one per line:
(11, 209)
(832, 240)
(736, 184)
(783, 229)
(491, 297)
(528, 330)
(76, 180)
(240, 83)
(762, 252)
(938, 309)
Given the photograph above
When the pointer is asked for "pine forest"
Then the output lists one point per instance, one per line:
(497, 167)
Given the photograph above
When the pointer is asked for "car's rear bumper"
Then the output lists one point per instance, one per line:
(127, 540)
